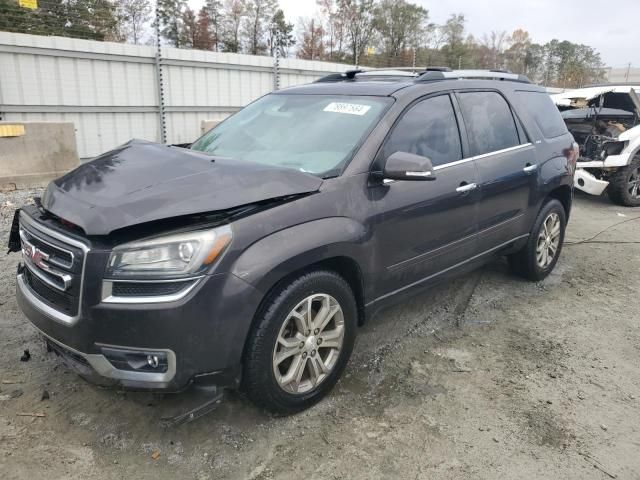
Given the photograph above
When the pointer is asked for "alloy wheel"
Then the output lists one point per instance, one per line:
(548, 240)
(309, 344)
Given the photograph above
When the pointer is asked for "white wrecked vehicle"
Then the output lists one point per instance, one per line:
(605, 121)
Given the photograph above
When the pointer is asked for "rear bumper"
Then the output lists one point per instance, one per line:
(201, 336)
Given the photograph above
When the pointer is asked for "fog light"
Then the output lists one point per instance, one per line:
(137, 361)
(152, 361)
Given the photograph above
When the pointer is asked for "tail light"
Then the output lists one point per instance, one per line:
(572, 153)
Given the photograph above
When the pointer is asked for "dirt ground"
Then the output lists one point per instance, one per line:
(484, 377)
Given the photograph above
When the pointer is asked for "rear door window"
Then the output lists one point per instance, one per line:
(430, 129)
(543, 111)
(489, 122)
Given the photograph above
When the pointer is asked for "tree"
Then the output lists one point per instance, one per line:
(215, 17)
(258, 14)
(516, 54)
(455, 50)
(170, 16)
(189, 28)
(399, 25)
(280, 34)
(495, 45)
(311, 40)
(133, 15)
(203, 39)
(334, 29)
(358, 20)
(233, 15)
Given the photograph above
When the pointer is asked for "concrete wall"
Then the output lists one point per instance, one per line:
(44, 151)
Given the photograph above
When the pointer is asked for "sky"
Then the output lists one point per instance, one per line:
(614, 33)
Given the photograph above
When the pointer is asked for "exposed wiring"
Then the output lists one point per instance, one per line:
(591, 239)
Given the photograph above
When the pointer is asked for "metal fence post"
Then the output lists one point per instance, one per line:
(276, 68)
(160, 83)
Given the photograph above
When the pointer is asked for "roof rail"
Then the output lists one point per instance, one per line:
(472, 74)
(437, 69)
(338, 77)
(388, 71)
(427, 74)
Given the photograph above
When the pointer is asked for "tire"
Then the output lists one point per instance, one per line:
(278, 349)
(624, 185)
(529, 262)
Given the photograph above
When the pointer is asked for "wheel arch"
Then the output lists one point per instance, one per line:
(564, 194)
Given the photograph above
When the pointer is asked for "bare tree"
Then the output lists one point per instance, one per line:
(310, 40)
(334, 28)
(495, 43)
(233, 15)
(134, 16)
(258, 14)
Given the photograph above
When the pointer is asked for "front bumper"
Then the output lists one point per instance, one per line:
(588, 183)
(202, 335)
(141, 343)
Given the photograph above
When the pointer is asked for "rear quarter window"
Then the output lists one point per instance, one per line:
(544, 112)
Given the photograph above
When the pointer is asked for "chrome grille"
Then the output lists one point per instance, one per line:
(53, 266)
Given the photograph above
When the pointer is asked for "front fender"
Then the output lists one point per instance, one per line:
(274, 257)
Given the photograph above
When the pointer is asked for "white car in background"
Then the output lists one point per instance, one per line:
(605, 121)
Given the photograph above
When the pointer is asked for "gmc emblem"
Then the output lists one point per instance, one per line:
(36, 255)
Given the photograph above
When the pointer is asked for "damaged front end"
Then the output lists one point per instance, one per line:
(605, 122)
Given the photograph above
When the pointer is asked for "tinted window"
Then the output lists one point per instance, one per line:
(489, 122)
(543, 111)
(428, 129)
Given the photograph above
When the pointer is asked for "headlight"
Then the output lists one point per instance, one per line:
(178, 255)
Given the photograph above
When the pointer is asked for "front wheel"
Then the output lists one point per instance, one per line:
(624, 185)
(539, 256)
(301, 343)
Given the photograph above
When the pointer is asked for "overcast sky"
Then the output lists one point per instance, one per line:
(614, 33)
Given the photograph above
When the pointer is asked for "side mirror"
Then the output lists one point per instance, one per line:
(407, 166)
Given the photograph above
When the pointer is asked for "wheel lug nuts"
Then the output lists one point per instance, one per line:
(315, 332)
(313, 353)
(319, 341)
(304, 355)
(307, 333)
(301, 345)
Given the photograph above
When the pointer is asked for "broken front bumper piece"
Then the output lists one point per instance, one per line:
(588, 183)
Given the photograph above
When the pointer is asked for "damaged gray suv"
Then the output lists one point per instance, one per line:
(250, 258)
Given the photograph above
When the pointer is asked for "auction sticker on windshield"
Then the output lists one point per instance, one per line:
(349, 108)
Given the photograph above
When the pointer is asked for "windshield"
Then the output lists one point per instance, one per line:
(317, 134)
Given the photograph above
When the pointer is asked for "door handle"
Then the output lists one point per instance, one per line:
(467, 187)
(530, 168)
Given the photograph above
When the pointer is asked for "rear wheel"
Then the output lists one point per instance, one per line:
(624, 185)
(301, 343)
(539, 256)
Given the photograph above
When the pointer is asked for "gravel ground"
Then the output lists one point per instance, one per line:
(484, 377)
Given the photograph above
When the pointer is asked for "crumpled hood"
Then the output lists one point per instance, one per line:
(141, 181)
(622, 97)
